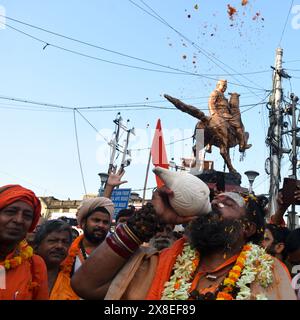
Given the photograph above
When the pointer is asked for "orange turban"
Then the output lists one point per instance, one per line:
(13, 192)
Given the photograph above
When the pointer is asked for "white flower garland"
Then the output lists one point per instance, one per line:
(184, 268)
(258, 266)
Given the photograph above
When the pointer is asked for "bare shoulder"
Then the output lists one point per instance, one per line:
(280, 287)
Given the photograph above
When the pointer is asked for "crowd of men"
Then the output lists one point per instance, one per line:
(152, 253)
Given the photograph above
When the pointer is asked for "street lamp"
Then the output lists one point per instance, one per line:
(103, 177)
(251, 175)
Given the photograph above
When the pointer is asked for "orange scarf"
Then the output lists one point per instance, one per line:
(74, 251)
(62, 288)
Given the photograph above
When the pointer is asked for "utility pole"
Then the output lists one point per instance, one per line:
(292, 214)
(275, 139)
(117, 147)
(115, 142)
(126, 162)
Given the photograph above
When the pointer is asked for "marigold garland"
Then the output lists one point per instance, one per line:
(253, 264)
(23, 252)
(74, 250)
(184, 268)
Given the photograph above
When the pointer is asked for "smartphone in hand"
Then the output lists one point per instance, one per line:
(289, 187)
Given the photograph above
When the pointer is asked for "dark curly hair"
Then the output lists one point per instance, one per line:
(50, 226)
(255, 214)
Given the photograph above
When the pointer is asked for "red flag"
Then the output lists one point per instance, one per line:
(158, 152)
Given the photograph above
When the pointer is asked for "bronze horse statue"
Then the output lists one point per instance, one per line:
(222, 135)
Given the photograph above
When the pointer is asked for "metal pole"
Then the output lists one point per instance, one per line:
(146, 179)
(115, 142)
(276, 141)
(292, 213)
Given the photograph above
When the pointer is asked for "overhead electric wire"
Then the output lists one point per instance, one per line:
(78, 151)
(30, 183)
(97, 58)
(35, 102)
(201, 50)
(117, 52)
(290, 61)
(91, 125)
(179, 72)
(286, 21)
(126, 106)
(93, 45)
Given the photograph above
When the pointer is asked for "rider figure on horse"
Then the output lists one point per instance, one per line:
(222, 117)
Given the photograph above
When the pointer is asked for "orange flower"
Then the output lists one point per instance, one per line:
(177, 285)
(195, 262)
(67, 264)
(234, 275)
(228, 289)
(224, 296)
(246, 247)
(240, 261)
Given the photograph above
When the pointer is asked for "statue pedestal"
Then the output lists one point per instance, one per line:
(221, 181)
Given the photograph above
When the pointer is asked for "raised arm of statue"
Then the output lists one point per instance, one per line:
(193, 111)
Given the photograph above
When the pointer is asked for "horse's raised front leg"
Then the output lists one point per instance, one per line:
(224, 151)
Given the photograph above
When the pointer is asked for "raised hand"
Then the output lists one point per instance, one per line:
(114, 179)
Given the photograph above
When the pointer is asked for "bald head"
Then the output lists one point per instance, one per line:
(222, 85)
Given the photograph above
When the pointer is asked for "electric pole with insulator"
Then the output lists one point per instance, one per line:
(274, 135)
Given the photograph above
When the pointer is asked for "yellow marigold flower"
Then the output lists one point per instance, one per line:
(229, 281)
(243, 255)
(6, 264)
(240, 261)
(237, 273)
(29, 250)
(237, 268)
(18, 260)
(233, 275)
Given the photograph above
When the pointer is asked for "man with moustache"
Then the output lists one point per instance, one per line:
(218, 259)
(23, 275)
(94, 218)
(164, 238)
(52, 242)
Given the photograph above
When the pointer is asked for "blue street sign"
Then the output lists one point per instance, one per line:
(120, 198)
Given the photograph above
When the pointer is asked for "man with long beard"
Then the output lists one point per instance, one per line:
(217, 259)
